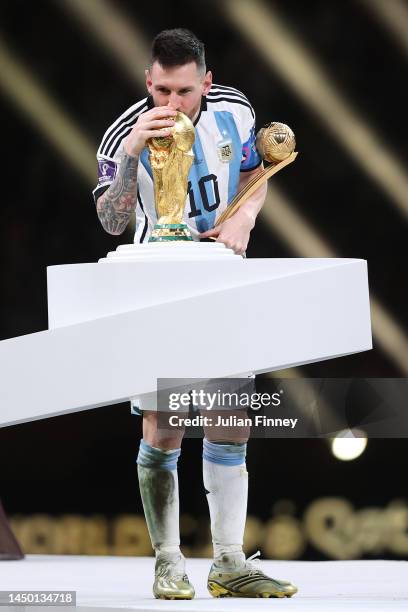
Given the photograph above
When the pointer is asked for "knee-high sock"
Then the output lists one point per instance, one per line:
(226, 483)
(158, 482)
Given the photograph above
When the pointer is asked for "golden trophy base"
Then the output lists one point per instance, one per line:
(166, 232)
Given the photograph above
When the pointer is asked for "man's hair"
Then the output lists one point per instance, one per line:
(177, 47)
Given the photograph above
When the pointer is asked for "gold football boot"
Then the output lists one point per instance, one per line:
(171, 580)
(246, 581)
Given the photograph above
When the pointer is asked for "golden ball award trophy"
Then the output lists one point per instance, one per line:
(276, 144)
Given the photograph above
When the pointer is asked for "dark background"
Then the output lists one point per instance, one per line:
(85, 462)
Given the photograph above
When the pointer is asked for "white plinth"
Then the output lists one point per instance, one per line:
(171, 251)
(115, 329)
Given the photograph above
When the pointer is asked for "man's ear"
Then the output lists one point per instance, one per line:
(207, 83)
(148, 80)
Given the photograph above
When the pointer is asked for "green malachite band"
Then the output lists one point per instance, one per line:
(172, 232)
(170, 226)
(170, 238)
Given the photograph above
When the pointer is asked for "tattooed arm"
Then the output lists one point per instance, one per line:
(116, 204)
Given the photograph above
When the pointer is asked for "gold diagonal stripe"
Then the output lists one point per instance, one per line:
(286, 54)
(46, 115)
(392, 14)
(112, 30)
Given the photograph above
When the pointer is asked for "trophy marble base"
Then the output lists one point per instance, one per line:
(170, 232)
(175, 251)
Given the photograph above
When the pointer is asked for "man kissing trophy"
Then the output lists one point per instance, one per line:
(178, 158)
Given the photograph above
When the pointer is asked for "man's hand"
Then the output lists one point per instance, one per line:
(154, 123)
(234, 232)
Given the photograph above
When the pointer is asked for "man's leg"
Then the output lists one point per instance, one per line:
(158, 482)
(226, 484)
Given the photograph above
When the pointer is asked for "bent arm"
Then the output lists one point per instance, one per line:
(235, 231)
(115, 206)
(249, 210)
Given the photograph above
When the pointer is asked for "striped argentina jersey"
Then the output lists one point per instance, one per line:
(224, 146)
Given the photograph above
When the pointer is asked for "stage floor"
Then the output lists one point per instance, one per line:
(125, 583)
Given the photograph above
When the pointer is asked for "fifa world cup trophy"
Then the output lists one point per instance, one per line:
(171, 158)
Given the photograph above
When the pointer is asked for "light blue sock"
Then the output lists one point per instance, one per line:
(226, 483)
(158, 482)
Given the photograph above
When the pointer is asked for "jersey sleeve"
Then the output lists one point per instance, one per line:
(250, 156)
(110, 150)
(107, 171)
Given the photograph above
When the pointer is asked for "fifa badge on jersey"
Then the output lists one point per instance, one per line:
(106, 171)
(225, 150)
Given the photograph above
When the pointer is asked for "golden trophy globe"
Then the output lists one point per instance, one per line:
(275, 142)
(170, 159)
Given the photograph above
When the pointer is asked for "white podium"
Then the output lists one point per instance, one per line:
(192, 310)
